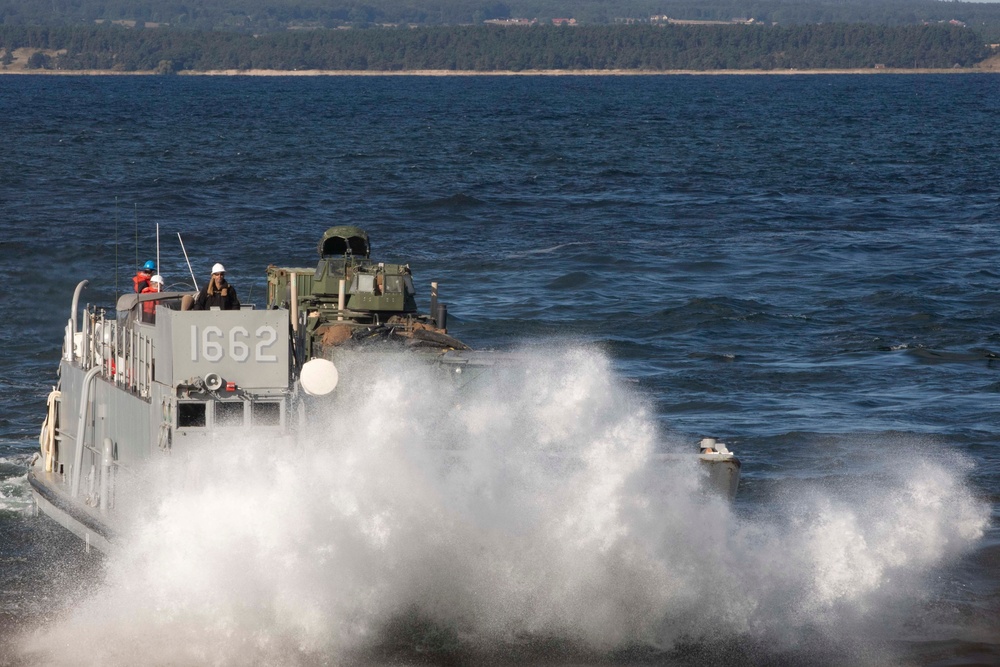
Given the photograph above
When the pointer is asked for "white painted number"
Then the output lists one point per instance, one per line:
(267, 336)
(238, 350)
(209, 344)
(211, 349)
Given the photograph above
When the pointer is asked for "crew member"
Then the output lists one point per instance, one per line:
(149, 307)
(141, 278)
(217, 293)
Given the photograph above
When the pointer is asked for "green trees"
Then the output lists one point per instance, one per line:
(39, 60)
(265, 16)
(489, 47)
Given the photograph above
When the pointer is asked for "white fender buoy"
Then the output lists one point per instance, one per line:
(319, 377)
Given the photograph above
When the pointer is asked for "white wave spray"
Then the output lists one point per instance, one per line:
(531, 501)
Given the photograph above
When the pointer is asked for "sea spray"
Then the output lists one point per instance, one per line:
(537, 499)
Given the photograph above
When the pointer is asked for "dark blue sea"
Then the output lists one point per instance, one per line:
(804, 266)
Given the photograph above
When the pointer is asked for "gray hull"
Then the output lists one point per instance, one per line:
(52, 497)
(131, 391)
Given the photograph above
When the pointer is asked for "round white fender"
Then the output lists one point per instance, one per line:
(319, 377)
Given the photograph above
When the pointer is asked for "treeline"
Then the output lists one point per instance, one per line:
(261, 16)
(486, 48)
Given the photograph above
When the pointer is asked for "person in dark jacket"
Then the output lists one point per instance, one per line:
(217, 293)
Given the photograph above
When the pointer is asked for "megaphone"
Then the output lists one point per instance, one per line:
(213, 382)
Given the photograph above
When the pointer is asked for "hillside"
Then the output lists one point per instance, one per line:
(492, 48)
(264, 16)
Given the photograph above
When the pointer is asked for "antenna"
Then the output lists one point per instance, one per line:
(158, 248)
(187, 260)
(136, 237)
(117, 293)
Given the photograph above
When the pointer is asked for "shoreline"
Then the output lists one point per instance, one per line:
(442, 73)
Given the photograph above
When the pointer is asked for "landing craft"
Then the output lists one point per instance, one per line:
(132, 390)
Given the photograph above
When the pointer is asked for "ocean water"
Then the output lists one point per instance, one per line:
(802, 266)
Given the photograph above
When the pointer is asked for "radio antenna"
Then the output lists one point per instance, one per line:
(136, 237)
(188, 261)
(117, 293)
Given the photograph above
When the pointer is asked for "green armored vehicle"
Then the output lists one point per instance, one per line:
(349, 300)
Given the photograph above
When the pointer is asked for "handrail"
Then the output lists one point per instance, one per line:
(123, 353)
(72, 316)
(107, 460)
(81, 427)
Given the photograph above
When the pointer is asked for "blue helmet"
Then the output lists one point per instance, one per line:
(149, 266)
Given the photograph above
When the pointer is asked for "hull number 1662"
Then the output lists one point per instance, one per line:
(212, 344)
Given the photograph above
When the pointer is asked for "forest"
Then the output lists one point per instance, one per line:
(490, 48)
(265, 16)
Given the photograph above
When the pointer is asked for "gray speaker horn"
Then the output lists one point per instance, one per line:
(213, 381)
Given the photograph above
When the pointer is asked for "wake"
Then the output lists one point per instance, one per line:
(526, 510)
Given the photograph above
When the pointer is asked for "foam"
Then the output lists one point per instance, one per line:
(529, 502)
(14, 494)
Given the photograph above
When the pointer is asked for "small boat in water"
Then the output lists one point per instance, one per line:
(133, 387)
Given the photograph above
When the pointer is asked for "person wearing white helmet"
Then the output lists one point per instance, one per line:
(149, 307)
(217, 293)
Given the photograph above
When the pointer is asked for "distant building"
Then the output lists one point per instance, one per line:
(663, 19)
(954, 22)
(563, 21)
(511, 21)
(127, 23)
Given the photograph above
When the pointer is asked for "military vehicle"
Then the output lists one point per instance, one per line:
(349, 300)
(133, 387)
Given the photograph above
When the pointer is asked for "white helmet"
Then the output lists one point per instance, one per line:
(218, 268)
(158, 279)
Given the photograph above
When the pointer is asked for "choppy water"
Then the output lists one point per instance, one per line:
(804, 266)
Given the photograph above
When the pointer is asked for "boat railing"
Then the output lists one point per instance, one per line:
(123, 351)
